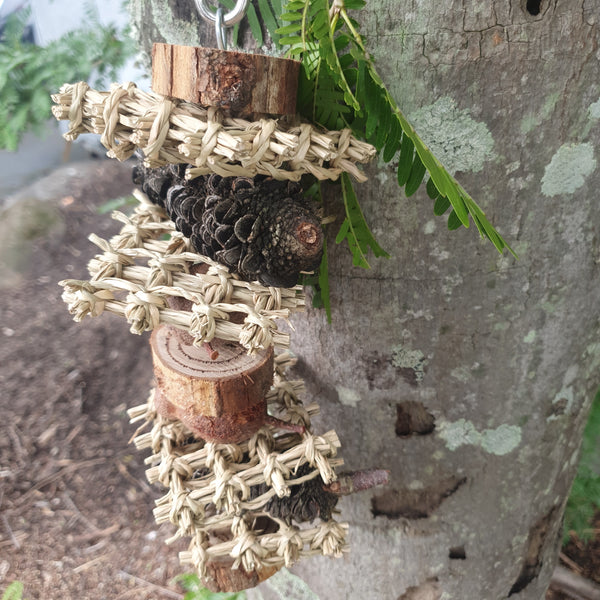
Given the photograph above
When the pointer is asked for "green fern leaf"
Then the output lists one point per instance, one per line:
(355, 229)
(405, 161)
(442, 204)
(415, 178)
(267, 15)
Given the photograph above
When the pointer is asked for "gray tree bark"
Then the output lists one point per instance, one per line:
(467, 374)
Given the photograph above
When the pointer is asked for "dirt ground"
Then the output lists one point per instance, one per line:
(75, 508)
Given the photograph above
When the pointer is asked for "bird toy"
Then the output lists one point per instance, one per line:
(209, 262)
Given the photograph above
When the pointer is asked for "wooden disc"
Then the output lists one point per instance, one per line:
(242, 83)
(220, 576)
(220, 400)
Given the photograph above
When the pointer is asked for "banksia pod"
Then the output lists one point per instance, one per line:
(260, 228)
(312, 498)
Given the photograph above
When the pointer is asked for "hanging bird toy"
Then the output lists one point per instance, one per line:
(209, 262)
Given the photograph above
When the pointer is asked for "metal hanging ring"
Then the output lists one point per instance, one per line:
(220, 30)
(231, 18)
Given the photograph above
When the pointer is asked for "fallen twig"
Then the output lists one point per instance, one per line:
(13, 539)
(98, 533)
(78, 515)
(573, 585)
(90, 563)
(125, 472)
(57, 475)
(570, 563)
(159, 588)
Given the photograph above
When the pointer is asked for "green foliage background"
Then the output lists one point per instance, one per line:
(30, 73)
(341, 88)
(584, 499)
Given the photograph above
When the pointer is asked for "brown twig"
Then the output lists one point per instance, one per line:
(90, 563)
(57, 475)
(98, 533)
(73, 433)
(13, 539)
(123, 470)
(573, 585)
(570, 563)
(13, 433)
(78, 515)
(159, 588)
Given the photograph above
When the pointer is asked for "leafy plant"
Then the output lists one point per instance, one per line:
(29, 73)
(14, 591)
(340, 87)
(584, 499)
(195, 591)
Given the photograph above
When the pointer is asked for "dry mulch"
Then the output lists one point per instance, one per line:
(75, 509)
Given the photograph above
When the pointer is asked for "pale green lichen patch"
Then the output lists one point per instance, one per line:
(502, 440)
(460, 142)
(536, 118)
(530, 337)
(407, 358)
(429, 227)
(499, 441)
(347, 396)
(594, 110)
(568, 169)
(461, 373)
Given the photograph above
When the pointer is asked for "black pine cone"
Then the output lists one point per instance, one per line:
(261, 228)
(305, 503)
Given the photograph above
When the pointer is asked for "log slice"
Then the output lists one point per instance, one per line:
(221, 577)
(220, 400)
(242, 83)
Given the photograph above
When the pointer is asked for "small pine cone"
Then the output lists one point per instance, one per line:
(305, 503)
(261, 228)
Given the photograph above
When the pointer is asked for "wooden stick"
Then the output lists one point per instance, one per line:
(571, 563)
(159, 588)
(573, 585)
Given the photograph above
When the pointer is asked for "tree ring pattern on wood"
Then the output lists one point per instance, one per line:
(209, 485)
(220, 400)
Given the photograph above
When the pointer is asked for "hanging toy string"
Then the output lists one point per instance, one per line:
(222, 20)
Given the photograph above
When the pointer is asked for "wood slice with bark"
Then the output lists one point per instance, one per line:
(221, 577)
(220, 399)
(242, 83)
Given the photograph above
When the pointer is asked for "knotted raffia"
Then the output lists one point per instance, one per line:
(168, 130)
(139, 270)
(209, 498)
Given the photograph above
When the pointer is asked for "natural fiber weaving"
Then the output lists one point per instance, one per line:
(139, 272)
(168, 130)
(214, 498)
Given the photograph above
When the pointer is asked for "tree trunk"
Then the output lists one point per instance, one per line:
(467, 374)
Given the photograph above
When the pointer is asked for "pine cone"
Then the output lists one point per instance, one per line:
(306, 502)
(261, 228)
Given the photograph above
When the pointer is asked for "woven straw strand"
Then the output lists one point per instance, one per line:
(137, 273)
(208, 497)
(174, 131)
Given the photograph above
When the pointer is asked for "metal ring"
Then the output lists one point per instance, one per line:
(231, 18)
(220, 30)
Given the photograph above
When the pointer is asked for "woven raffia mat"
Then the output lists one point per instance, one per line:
(139, 270)
(210, 500)
(168, 130)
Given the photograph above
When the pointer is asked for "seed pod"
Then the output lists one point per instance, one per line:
(261, 228)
